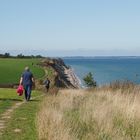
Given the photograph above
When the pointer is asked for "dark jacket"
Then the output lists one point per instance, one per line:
(27, 78)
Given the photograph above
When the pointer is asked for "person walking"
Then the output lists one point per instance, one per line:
(27, 81)
(47, 84)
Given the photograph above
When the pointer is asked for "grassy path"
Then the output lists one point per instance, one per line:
(7, 115)
(17, 118)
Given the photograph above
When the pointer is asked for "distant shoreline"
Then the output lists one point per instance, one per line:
(100, 57)
(106, 70)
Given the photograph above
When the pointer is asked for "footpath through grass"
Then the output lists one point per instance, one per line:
(8, 97)
(22, 122)
(11, 69)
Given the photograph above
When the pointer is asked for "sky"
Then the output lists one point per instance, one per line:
(70, 27)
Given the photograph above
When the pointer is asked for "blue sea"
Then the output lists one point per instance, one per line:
(106, 69)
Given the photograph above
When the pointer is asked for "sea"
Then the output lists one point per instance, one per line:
(106, 69)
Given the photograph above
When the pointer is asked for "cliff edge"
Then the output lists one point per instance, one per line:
(64, 75)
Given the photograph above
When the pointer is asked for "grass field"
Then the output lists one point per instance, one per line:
(101, 114)
(22, 118)
(11, 69)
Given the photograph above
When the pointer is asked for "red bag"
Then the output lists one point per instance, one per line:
(20, 90)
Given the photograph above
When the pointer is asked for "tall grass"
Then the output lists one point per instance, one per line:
(100, 114)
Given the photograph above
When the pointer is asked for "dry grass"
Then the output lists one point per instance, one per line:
(101, 114)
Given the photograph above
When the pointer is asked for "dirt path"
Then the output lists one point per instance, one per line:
(7, 114)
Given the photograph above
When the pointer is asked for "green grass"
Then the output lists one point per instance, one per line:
(11, 69)
(5, 105)
(9, 94)
(23, 118)
(8, 97)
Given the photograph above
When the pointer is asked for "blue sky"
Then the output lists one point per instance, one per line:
(73, 27)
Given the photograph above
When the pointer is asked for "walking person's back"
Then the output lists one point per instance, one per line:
(27, 82)
(47, 84)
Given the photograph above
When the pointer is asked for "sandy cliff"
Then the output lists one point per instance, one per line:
(64, 76)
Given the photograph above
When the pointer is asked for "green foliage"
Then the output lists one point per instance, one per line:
(7, 55)
(89, 80)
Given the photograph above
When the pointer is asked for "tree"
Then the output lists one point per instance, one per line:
(89, 80)
(39, 56)
(7, 55)
(20, 55)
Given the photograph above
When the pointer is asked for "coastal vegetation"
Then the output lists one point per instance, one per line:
(106, 113)
(109, 112)
(89, 80)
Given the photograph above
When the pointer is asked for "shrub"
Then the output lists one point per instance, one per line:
(89, 80)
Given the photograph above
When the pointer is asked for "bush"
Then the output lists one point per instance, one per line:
(89, 80)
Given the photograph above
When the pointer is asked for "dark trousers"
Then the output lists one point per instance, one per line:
(27, 89)
(47, 88)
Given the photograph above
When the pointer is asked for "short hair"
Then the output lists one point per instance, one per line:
(27, 68)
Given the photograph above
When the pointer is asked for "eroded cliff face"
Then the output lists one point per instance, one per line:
(64, 75)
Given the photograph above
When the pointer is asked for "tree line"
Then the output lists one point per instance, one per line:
(7, 55)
